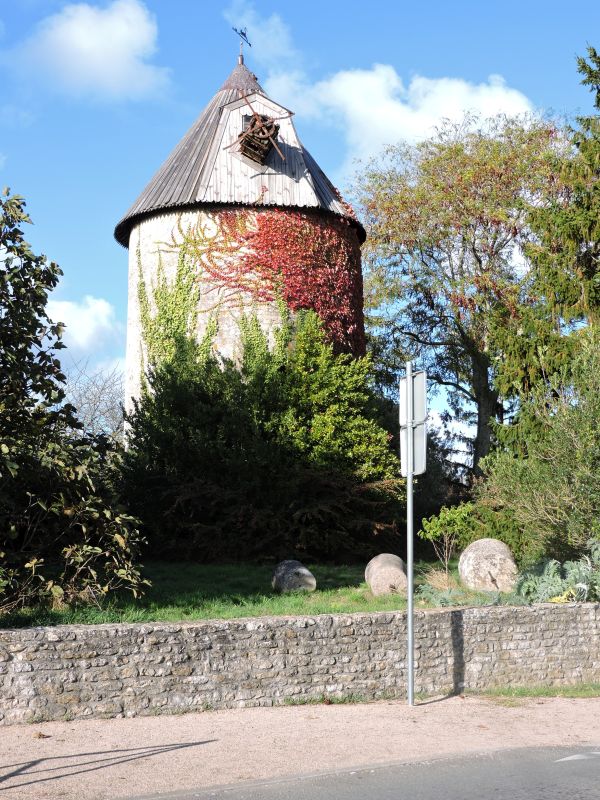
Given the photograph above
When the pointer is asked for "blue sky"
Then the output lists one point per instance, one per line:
(93, 96)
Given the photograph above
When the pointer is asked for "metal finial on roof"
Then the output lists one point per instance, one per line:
(242, 33)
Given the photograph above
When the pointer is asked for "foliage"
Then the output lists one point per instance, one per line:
(539, 343)
(551, 581)
(567, 253)
(63, 537)
(305, 260)
(554, 491)
(447, 218)
(445, 596)
(444, 531)
(455, 527)
(283, 455)
(168, 309)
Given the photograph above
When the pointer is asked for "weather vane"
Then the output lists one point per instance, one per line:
(242, 33)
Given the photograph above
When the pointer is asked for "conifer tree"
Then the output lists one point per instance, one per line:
(562, 286)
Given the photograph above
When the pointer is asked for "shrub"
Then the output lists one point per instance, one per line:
(454, 528)
(551, 581)
(283, 455)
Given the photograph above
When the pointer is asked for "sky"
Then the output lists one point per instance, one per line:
(94, 95)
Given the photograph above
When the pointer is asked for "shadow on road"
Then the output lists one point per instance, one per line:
(30, 770)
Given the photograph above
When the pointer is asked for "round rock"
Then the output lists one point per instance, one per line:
(293, 576)
(386, 574)
(488, 565)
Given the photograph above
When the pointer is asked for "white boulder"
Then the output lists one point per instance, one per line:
(488, 565)
(386, 574)
(293, 576)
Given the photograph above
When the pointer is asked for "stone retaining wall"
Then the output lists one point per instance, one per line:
(113, 670)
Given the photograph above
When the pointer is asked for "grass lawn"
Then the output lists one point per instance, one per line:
(185, 591)
(516, 692)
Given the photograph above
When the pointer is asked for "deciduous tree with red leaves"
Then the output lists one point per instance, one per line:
(448, 230)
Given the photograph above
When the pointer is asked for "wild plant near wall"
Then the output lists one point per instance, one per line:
(553, 582)
(168, 308)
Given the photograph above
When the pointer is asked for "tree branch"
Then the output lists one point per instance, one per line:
(453, 385)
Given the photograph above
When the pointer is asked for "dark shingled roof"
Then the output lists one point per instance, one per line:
(181, 181)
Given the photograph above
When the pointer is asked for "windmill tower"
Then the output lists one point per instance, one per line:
(238, 219)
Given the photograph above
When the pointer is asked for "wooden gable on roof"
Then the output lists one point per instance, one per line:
(208, 168)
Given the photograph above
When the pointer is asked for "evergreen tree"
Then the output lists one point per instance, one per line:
(562, 287)
(282, 455)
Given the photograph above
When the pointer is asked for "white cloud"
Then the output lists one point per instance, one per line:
(90, 323)
(370, 107)
(373, 107)
(84, 50)
(270, 37)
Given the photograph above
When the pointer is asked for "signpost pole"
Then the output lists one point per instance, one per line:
(409, 529)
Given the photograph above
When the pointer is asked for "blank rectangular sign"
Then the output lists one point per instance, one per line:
(419, 424)
(419, 450)
(419, 398)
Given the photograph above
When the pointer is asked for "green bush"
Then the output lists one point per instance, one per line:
(456, 527)
(63, 537)
(281, 455)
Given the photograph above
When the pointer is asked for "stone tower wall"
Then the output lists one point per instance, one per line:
(155, 241)
(241, 260)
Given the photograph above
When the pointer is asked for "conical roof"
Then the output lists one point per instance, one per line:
(204, 169)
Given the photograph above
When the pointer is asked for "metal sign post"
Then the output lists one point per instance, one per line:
(413, 451)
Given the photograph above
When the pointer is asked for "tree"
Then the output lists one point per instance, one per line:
(63, 535)
(553, 492)
(448, 225)
(538, 345)
(97, 394)
(567, 257)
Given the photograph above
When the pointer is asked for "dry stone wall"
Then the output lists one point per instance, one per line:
(125, 670)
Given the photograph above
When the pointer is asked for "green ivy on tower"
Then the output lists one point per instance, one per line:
(169, 312)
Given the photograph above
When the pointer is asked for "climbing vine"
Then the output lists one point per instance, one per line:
(168, 309)
(298, 259)
(307, 261)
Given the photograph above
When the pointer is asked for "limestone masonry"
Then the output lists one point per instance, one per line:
(112, 670)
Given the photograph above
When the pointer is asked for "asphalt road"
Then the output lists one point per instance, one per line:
(524, 774)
